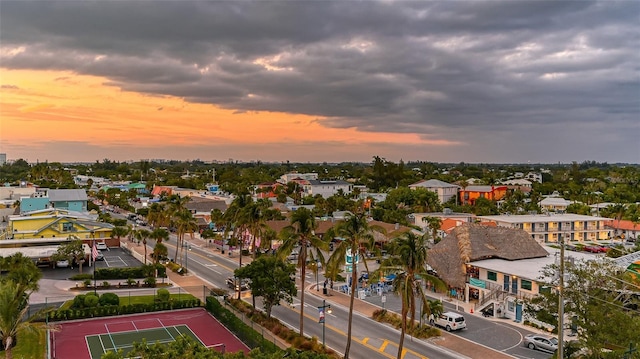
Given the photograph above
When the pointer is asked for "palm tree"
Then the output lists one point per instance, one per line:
(13, 308)
(301, 233)
(141, 236)
(254, 219)
(409, 256)
(159, 235)
(119, 232)
(357, 237)
(434, 224)
(184, 223)
(235, 221)
(159, 250)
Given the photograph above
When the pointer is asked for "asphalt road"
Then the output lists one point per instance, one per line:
(371, 338)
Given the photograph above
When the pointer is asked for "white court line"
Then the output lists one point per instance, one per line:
(134, 325)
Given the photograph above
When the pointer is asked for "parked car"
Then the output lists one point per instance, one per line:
(237, 283)
(62, 263)
(541, 342)
(449, 320)
(100, 256)
(596, 249)
(101, 246)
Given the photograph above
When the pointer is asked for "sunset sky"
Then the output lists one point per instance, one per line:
(315, 81)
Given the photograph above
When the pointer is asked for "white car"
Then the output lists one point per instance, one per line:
(63, 263)
(101, 246)
(449, 320)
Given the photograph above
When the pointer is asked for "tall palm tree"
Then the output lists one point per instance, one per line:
(236, 224)
(409, 260)
(301, 233)
(184, 223)
(357, 236)
(141, 236)
(255, 222)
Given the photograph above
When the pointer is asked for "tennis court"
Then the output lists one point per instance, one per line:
(90, 339)
(102, 343)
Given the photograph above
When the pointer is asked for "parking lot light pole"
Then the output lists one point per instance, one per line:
(325, 308)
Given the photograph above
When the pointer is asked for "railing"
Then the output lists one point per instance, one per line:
(493, 295)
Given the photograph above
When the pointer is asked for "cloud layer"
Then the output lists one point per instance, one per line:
(491, 81)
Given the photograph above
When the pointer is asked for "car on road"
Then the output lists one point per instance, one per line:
(541, 342)
(449, 320)
(237, 283)
(596, 249)
(101, 246)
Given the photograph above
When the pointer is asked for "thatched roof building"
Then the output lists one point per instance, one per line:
(473, 242)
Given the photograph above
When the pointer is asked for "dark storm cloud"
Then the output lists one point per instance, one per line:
(447, 69)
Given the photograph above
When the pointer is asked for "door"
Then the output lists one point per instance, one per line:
(506, 283)
(514, 286)
(518, 312)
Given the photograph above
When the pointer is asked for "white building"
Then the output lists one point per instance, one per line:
(444, 190)
(288, 177)
(547, 227)
(554, 204)
(326, 188)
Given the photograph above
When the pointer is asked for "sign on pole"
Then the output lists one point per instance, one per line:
(320, 315)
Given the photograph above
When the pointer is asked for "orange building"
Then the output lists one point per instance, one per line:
(470, 194)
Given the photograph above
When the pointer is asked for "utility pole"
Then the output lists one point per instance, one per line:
(561, 302)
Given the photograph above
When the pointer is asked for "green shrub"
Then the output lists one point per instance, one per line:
(87, 283)
(91, 300)
(106, 284)
(163, 295)
(82, 276)
(150, 281)
(109, 299)
(78, 301)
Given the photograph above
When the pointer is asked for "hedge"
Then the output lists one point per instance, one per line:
(248, 335)
(109, 310)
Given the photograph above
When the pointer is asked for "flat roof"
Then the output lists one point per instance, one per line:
(531, 268)
(565, 217)
(36, 251)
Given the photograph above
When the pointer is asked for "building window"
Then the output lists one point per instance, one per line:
(525, 284)
(66, 227)
(544, 290)
(492, 276)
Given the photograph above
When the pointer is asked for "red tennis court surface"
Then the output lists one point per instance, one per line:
(68, 341)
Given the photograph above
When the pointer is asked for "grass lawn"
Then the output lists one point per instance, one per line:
(31, 344)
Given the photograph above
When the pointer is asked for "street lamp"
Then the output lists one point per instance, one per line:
(93, 258)
(186, 248)
(321, 310)
(317, 287)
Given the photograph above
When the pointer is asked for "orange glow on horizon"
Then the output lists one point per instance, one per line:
(62, 106)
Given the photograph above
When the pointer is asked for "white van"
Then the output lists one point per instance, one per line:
(449, 320)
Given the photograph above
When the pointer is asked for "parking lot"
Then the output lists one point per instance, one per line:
(113, 257)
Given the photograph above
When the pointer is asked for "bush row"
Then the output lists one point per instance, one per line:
(109, 310)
